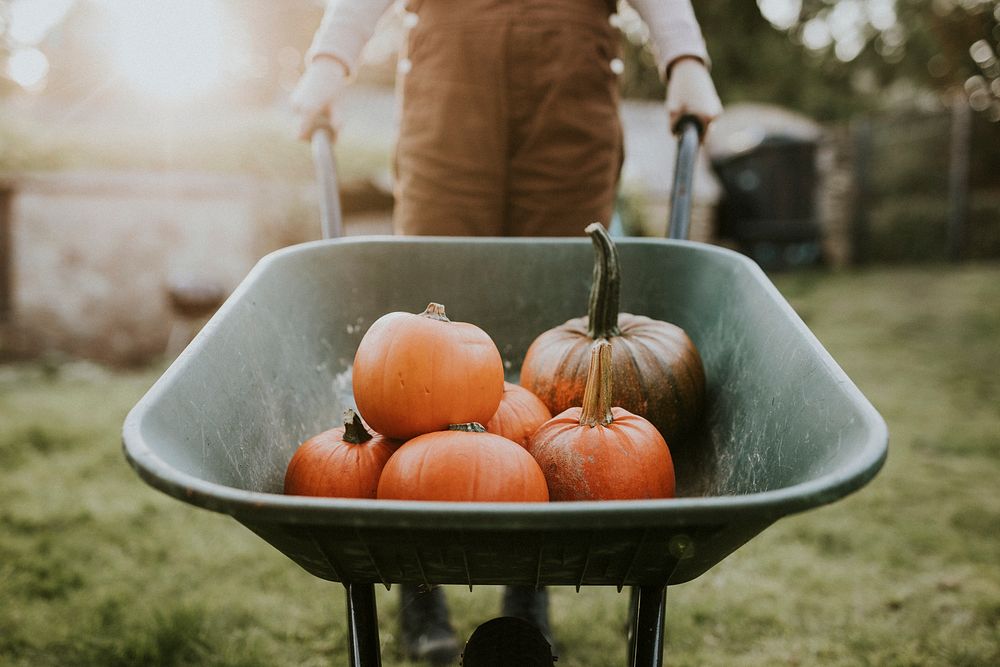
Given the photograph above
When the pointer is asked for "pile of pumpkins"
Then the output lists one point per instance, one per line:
(444, 425)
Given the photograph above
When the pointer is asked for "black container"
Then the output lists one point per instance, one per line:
(769, 202)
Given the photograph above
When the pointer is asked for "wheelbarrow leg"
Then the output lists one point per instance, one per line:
(646, 630)
(362, 626)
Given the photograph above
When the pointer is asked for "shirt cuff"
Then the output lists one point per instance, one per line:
(674, 31)
(679, 42)
(340, 45)
(345, 29)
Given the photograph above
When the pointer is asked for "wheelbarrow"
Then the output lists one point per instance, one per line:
(785, 430)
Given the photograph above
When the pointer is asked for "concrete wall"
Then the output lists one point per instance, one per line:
(91, 255)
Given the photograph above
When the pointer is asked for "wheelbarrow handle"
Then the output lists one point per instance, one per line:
(688, 130)
(330, 216)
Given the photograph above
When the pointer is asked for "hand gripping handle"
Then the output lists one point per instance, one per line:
(689, 131)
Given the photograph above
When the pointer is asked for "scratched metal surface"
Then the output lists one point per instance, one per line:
(785, 429)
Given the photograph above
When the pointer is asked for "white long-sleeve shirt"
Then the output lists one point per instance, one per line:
(348, 25)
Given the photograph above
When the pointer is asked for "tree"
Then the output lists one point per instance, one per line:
(752, 60)
(920, 45)
(833, 58)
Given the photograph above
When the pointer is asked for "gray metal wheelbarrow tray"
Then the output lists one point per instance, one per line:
(785, 429)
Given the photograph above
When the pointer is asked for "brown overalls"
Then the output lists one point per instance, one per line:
(509, 123)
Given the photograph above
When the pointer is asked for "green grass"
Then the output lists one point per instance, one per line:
(98, 569)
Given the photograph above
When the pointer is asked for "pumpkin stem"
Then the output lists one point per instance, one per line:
(602, 312)
(471, 427)
(435, 311)
(354, 430)
(597, 393)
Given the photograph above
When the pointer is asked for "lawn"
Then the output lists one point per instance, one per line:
(98, 569)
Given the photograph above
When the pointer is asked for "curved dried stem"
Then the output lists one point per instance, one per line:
(602, 312)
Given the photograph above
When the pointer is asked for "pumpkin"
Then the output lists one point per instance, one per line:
(464, 463)
(344, 462)
(658, 371)
(519, 414)
(414, 374)
(600, 452)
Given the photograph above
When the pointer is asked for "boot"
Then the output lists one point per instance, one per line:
(425, 632)
(530, 604)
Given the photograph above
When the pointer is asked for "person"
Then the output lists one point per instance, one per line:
(509, 126)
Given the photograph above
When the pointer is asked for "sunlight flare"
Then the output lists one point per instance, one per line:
(27, 67)
(170, 50)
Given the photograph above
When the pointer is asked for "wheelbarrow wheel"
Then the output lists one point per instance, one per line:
(507, 642)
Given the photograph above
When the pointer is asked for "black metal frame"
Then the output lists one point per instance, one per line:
(362, 626)
(647, 626)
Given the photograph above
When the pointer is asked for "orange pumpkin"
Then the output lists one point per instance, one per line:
(519, 414)
(344, 462)
(658, 372)
(600, 452)
(464, 463)
(414, 374)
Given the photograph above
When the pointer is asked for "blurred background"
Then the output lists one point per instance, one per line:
(152, 142)
(148, 159)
